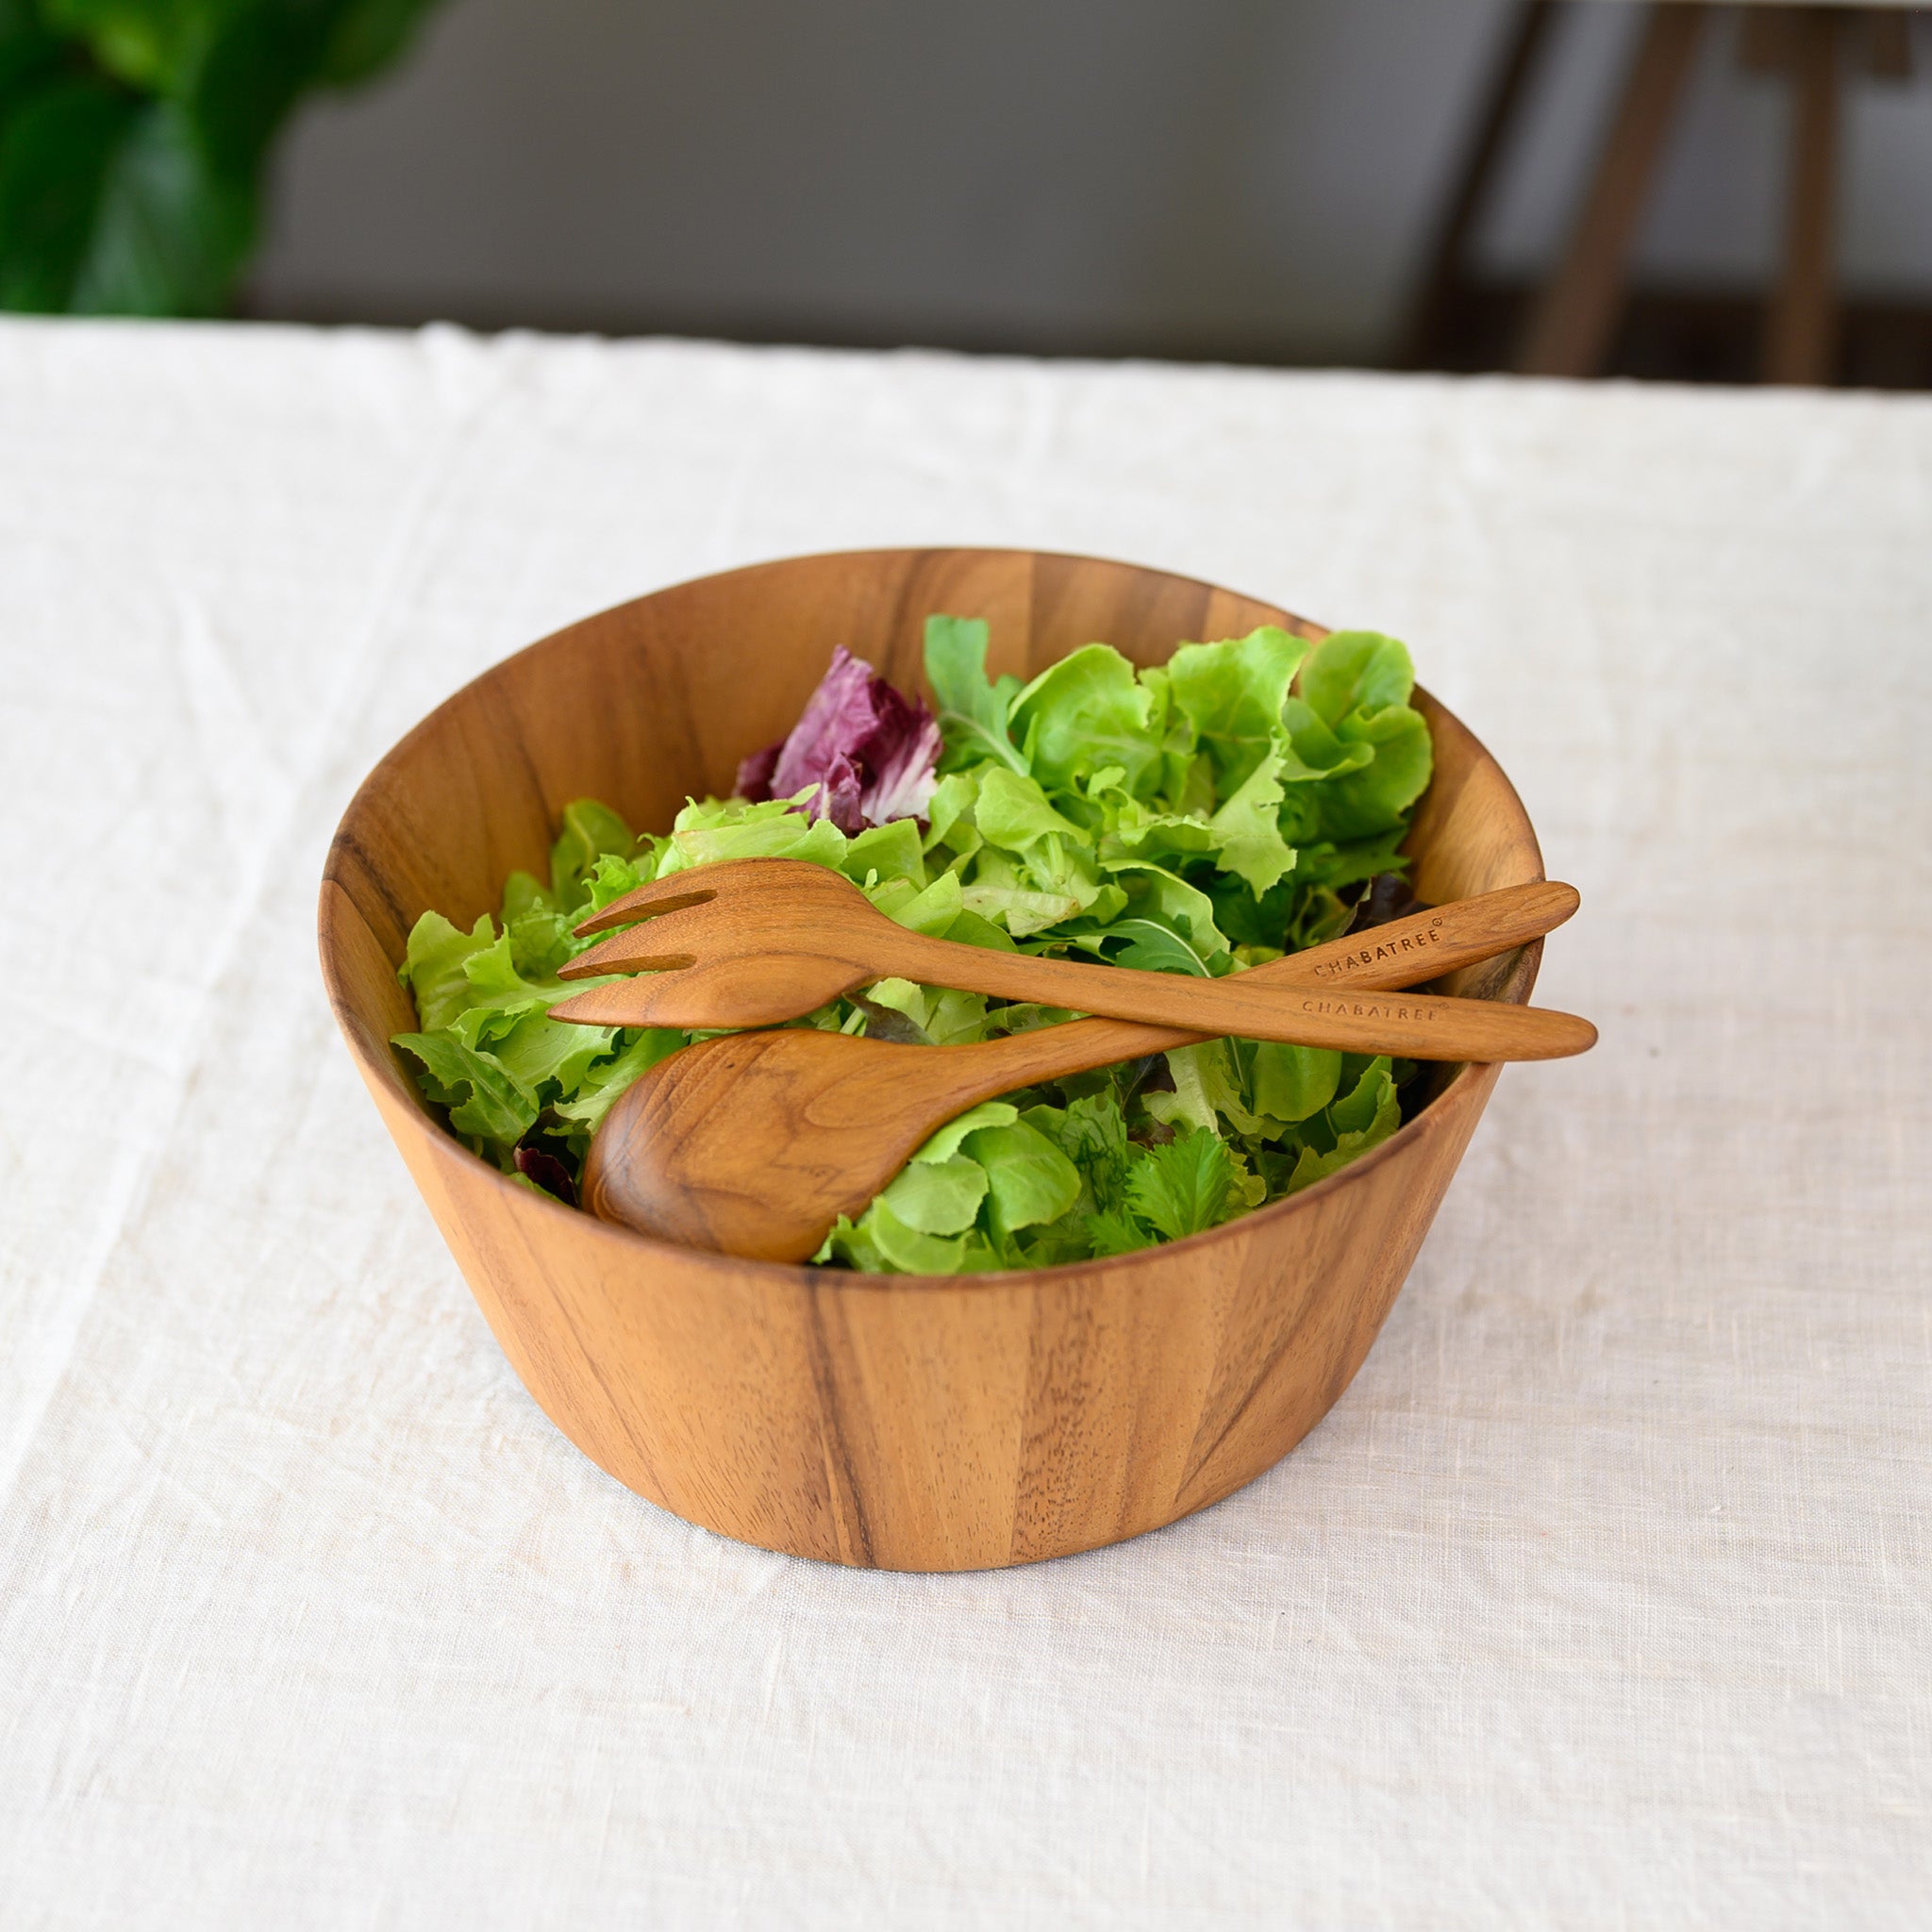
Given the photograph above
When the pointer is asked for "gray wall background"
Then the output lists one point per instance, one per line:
(1198, 177)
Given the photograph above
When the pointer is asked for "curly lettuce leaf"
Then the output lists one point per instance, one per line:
(486, 1100)
(1361, 1119)
(1088, 711)
(1232, 693)
(432, 966)
(716, 829)
(490, 1054)
(1248, 828)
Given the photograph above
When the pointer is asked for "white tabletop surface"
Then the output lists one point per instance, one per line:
(1603, 1598)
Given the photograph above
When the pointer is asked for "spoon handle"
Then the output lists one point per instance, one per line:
(1428, 944)
(1324, 997)
(1398, 954)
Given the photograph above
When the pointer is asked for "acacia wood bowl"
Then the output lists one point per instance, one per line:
(892, 1421)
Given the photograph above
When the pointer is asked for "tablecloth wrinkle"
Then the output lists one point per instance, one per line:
(1602, 1599)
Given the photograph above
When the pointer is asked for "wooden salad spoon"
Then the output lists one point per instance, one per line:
(758, 941)
(755, 1143)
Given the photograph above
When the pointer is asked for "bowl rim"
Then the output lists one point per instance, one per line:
(1460, 1092)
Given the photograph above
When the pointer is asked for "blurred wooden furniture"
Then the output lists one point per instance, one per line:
(1573, 322)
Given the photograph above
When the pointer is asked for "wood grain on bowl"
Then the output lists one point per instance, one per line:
(895, 1422)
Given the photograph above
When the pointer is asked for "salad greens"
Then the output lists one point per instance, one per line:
(1243, 800)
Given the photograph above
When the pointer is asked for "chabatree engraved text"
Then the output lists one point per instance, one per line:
(1378, 1012)
(1370, 955)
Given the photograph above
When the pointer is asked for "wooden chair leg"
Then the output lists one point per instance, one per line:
(1800, 340)
(1428, 326)
(1576, 316)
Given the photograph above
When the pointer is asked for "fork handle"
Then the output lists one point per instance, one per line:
(1325, 997)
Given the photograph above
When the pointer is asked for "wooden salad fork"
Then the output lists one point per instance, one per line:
(758, 941)
(755, 1143)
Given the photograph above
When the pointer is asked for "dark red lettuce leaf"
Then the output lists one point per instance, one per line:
(539, 1165)
(1387, 896)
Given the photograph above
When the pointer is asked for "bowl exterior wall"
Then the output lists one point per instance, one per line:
(907, 1426)
(896, 1422)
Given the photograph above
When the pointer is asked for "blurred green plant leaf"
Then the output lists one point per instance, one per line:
(28, 53)
(149, 44)
(368, 34)
(169, 235)
(133, 133)
(56, 148)
(251, 73)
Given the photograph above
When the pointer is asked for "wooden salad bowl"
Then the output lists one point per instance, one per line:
(889, 1422)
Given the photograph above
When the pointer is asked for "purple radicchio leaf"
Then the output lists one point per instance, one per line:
(754, 773)
(869, 752)
(838, 795)
(903, 781)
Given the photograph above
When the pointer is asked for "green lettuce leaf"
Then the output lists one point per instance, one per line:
(1183, 1188)
(937, 1197)
(721, 828)
(1092, 1131)
(485, 1100)
(891, 851)
(952, 1137)
(1291, 1083)
(1087, 711)
(1232, 693)
(1153, 947)
(432, 967)
(1249, 828)
(973, 712)
(1165, 898)
(1361, 1119)
(590, 831)
(1012, 810)
(1207, 1089)
(1028, 1178)
(974, 930)
(932, 910)
(1357, 670)
(1376, 797)
(1351, 726)
(604, 1082)
(952, 825)
(1021, 909)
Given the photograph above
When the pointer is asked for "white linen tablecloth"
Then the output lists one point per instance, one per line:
(1603, 1598)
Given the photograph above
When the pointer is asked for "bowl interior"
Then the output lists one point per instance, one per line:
(659, 699)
